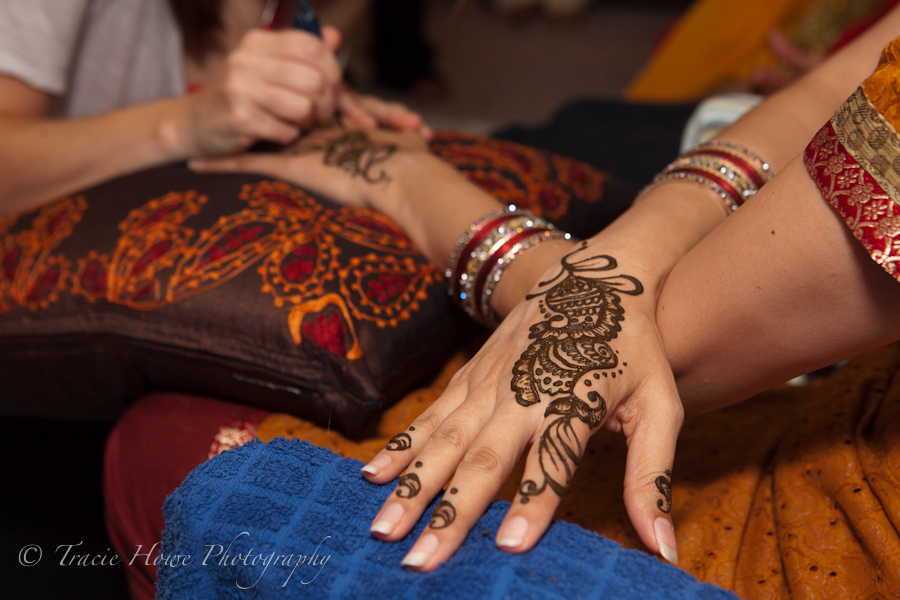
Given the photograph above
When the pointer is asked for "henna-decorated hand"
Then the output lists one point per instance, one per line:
(564, 363)
(361, 157)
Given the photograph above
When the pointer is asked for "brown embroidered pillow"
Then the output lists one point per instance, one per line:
(240, 288)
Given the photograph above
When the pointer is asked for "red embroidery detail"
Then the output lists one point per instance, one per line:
(11, 262)
(31, 275)
(300, 264)
(538, 180)
(327, 332)
(870, 213)
(90, 279)
(44, 286)
(93, 280)
(153, 255)
(232, 241)
(386, 287)
(55, 221)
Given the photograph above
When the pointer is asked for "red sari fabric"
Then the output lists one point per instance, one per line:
(855, 161)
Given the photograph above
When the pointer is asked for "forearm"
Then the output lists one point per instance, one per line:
(433, 204)
(41, 158)
(667, 221)
(779, 289)
(780, 127)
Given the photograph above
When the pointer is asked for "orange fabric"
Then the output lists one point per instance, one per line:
(716, 41)
(793, 494)
(882, 87)
(719, 43)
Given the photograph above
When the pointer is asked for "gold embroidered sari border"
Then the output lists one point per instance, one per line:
(871, 140)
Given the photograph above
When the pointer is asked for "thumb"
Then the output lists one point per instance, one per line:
(651, 438)
(332, 37)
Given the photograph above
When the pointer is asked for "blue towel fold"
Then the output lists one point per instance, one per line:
(306, 512)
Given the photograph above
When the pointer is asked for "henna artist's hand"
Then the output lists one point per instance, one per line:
(581, 353)
(272, 86)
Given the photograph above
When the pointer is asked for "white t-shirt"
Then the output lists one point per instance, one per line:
(93, 55)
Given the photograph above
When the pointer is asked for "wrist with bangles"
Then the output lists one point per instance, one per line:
(484, 251)
(732, 171)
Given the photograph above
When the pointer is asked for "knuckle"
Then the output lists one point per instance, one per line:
(240, 119)
(238, 60)
(315, 82)
(302, 108)
(451, 436)
(483, 459)
(428, 422)
(286, 135)
(233, 88)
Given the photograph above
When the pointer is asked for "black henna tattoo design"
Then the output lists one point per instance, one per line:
(442, 515)
(664, 485)
(357, 154)
(410, 484)
(582, 313)
(403, 441)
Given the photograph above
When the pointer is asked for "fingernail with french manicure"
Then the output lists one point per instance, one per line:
(388, 519)
(377, 464)
(665, 538)
(421, 552)
(514, 533)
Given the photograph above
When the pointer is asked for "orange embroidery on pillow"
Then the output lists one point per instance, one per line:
(327, 332)
(299, 269)
(385, 289)
(152, 240)
(89, 279)
(538, 180)
(30, 275)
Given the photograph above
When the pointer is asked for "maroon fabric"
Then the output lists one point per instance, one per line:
(161, 439)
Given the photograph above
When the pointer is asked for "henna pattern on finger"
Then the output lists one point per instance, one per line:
(582, 313)
(442, 515)
(357, 154)
(410, 484)
(402, 441)
(664, 485)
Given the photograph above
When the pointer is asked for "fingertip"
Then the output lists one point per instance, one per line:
(511, 535)
(198, 164)
(332, 36)
(376, 466)
(665, 539)
(422, 552)
(386, 522)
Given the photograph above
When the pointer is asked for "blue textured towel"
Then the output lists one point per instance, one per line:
(307, 511)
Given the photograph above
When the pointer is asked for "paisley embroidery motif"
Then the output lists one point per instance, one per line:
(30, 274)
(545, 183)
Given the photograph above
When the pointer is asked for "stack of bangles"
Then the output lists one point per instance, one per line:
(730, 170)
(484, 251)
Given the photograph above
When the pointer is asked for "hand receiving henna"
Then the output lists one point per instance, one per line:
(362, 156)
(562, 365)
